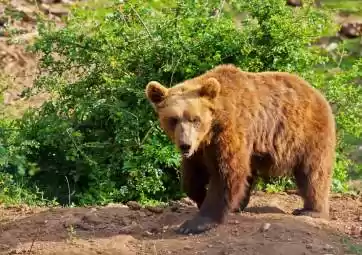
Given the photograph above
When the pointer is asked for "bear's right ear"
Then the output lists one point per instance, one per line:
(155, 92)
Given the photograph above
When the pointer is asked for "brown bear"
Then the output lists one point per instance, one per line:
(232, 126)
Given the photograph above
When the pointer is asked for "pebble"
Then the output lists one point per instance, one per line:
(148, 233)
(165, 228)
(265, 227)
(175, 208)
(187, 201)
(356, 231)
(328, 247)
(142, 214)
(259, 193)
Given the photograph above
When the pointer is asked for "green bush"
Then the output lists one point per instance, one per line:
(98, 139)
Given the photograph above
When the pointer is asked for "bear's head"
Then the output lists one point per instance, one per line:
(185, 111)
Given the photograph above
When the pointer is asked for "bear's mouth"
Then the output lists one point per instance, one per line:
(185, 149)
(186, 153)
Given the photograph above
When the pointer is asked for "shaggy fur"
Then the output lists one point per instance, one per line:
(239, 125)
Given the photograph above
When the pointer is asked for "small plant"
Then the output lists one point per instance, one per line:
(71, 232)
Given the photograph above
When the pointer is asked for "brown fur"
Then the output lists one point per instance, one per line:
(248, 125)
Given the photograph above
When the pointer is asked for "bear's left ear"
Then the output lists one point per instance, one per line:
(210, 89)
(155, 92)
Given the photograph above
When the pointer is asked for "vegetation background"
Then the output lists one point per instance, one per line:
(96, 140)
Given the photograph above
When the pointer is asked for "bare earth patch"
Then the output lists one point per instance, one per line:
(267, 227)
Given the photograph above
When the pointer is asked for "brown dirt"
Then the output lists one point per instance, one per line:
(18, 67)
(116, 229)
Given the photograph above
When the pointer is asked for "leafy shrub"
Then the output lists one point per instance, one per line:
(98, 139)
(15, 187)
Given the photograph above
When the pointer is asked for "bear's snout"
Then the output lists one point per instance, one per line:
(185, 148)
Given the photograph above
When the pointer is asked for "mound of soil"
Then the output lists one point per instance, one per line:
(266, 227)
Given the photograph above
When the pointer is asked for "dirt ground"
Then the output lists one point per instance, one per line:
(266, 227)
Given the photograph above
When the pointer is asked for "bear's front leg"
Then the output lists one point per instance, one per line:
(227, 187)
(212, 211)
(194, 179)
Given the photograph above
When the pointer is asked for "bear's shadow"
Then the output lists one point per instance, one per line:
(264, 210)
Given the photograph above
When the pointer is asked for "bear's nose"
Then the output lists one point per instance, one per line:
(185, 147)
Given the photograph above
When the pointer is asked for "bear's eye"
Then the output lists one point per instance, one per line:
(196, 120)
(173, 121)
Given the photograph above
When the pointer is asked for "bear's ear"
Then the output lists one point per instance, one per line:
(155, 92)
(210, 89)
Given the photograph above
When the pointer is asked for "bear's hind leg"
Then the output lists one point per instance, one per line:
(313, 179)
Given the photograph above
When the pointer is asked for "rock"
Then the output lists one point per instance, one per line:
(156, 230)
(116, 205)
(92, 218)
(148, 233)
(148, 213)
(259, 193)
(265, 227)
(351, 30)
(187, 247)
(165, 228)
(55, 9)
(133, 205)
(235, 232)
(187, 201)
(50, 1)
(356, 231)
(2, 21)
(175, 208)
(28, 13)
(70, 223)
(142, 214)
(360, 218)
(155, 209)
(336, 195)
(328, 247)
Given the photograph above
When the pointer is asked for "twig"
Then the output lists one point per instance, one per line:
(220, 8)
(146, 135)
(144, 25)
(154, 248)
(33, 241)
(66, 178)
(79, 150)
(174, 69)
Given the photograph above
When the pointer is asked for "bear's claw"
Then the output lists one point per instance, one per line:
(196, 225)
(309, 213)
